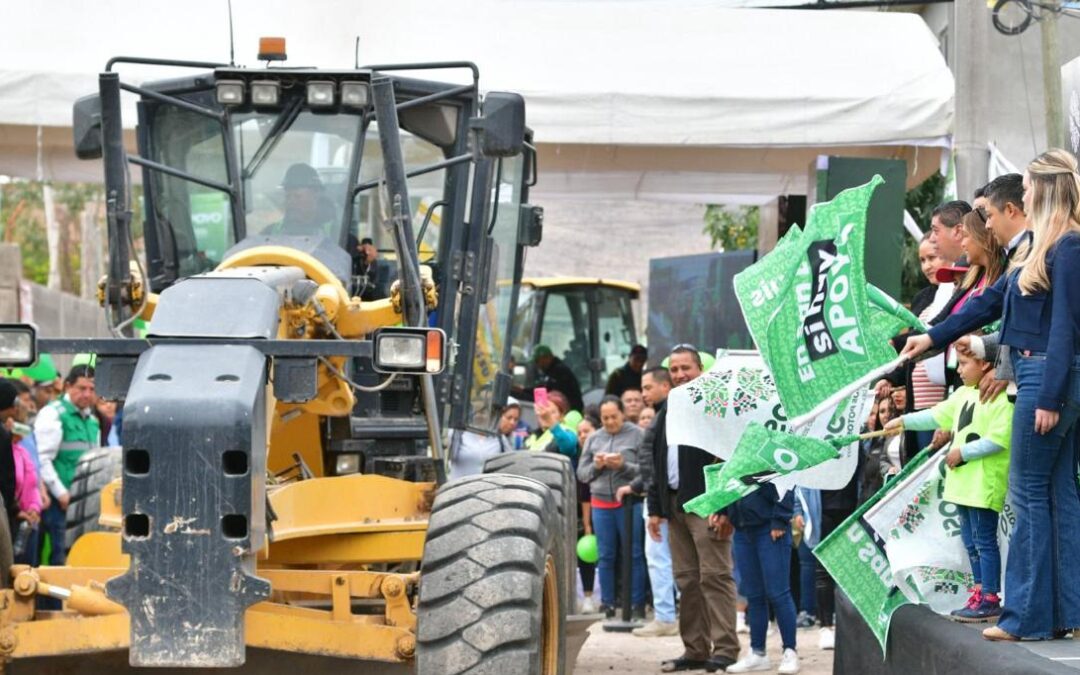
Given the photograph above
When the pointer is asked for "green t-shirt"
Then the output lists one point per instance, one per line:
(980, 482)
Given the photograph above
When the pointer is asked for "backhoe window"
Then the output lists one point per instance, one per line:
(424, 192)
(194, 222)
(296, 178)
(491, 332)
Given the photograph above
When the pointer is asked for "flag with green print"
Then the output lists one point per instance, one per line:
(820, 327)
(762, 455)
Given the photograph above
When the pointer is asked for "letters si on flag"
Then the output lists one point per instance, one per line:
(819, 326)
(762, 455)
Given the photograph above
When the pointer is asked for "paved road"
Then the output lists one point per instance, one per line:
(606, 653)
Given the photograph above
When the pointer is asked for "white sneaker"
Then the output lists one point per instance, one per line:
(588, 605)
(740, 623)
(826, 639)
(789, 664)
(751, 663)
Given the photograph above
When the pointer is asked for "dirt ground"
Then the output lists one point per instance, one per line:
(625, 654)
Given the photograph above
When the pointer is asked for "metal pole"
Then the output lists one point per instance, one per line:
(412, 295)
(1051, 66)
(626, 570)
(116, 196)
(972, 33)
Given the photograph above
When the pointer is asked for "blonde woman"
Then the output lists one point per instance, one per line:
(1038, 301)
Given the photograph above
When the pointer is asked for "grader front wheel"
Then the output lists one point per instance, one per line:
(492, 581)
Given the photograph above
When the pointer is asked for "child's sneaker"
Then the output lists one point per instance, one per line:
(988, 609)
(973, 601)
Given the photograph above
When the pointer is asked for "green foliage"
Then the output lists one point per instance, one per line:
(920, 203)
(23, 223)
(732, 228)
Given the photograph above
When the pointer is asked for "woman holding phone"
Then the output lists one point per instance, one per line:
(609, 462)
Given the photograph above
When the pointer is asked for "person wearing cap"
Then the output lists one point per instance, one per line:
(628, 375)
(64, 430)
(305, 208)
(553, 374)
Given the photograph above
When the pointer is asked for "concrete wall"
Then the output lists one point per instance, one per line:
(54, 313)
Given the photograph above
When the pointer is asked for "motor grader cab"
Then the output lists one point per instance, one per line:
(283, 462)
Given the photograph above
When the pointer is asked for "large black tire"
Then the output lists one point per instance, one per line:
(96, 469)
(492, 581)
(557, 473)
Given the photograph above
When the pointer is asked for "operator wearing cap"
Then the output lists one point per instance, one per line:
(305, 208)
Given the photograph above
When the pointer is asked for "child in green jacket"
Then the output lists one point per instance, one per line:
(977, 478)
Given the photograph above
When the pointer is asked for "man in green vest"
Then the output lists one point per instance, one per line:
(64, 430)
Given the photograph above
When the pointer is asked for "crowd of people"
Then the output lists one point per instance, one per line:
(46, 424)
(683, 567)
(1001, 388)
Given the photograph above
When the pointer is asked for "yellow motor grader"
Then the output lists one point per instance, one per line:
(282, 503)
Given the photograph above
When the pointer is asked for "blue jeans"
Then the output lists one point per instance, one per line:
(764, 578)
(658, 559)
(807, 583)
(978, 529)
(610, 529)
(54, 524)
(1040, 575)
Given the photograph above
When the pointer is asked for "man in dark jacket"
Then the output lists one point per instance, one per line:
(556, 375)
(701, 556)
(628, 375)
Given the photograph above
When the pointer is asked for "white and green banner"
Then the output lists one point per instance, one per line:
(820, 328)
(712, 412)
(761, 456)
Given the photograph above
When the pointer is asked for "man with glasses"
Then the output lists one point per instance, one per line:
(701, 556)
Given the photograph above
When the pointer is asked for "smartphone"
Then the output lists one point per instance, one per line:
(540, 396)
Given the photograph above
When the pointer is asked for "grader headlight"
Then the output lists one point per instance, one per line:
(265, 93)
(230, 92)
(409, 350)
(18, 345)
(320, 94)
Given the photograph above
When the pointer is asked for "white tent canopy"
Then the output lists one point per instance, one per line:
(731, 102)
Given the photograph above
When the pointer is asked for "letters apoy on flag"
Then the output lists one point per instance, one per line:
(761, 456)
(817, 323)
(712, 411)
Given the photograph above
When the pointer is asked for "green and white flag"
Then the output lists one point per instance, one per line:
(855, 555)
(713, 411)
(761, 456)
(819, 327)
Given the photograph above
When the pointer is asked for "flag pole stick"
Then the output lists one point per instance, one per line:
(834, 400)
(896, 431)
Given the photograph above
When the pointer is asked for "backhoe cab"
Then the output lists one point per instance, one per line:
(284, 423)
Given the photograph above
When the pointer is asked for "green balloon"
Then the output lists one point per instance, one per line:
(587, 549)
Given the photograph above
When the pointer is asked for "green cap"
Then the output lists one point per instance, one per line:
(541, 350)
(44, 370)
(84, 360)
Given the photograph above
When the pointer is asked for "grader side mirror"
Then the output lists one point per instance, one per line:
(500, 130)
(86, 125)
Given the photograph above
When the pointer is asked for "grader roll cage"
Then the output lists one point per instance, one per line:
(282, 501)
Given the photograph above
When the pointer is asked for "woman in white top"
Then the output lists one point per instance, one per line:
(470, 450)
